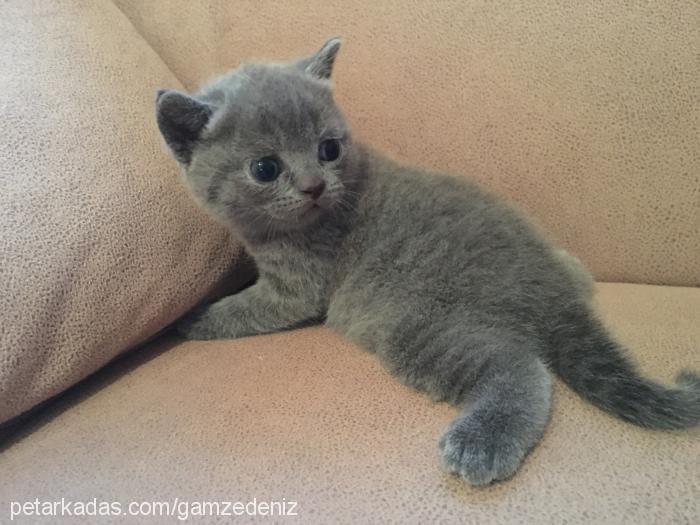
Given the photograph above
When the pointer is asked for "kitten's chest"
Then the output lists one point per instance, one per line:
(304, 267)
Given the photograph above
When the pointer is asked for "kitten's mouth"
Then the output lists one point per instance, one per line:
(311, 209)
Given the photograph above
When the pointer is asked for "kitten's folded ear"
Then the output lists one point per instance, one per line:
(320, 65)
(181, 119)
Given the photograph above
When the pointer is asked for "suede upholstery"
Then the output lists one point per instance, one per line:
(100, 246)
(305, 416)
(572, 109)
(586, 115)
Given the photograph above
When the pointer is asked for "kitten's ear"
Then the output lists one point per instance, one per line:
(181, 119)
(320, 65)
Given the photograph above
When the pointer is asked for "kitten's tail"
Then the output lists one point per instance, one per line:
(595, 366)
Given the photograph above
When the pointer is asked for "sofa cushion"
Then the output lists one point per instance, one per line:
(585, 113)
(100, 246)
(305, 416)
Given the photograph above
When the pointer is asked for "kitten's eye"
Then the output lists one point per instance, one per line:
(266, 169)
(329, 150)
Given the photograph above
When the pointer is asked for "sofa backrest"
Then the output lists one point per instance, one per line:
(586, 114)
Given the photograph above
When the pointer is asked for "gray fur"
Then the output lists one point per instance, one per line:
(453, 290)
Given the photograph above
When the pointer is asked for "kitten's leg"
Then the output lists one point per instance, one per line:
(510, 409)
(262, 308)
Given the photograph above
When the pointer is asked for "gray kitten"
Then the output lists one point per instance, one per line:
(456, 293)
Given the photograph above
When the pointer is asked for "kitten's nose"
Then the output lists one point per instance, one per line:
(312, 186)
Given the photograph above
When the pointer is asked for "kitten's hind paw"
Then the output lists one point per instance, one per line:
(478, 455)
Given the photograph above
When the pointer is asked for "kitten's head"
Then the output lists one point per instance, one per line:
(265, 147)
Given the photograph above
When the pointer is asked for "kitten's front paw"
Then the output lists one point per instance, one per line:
(479, 455)
(195, 325)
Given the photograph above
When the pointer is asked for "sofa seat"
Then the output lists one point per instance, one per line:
(308, 417)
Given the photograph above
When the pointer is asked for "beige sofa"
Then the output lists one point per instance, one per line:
(585, 115)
